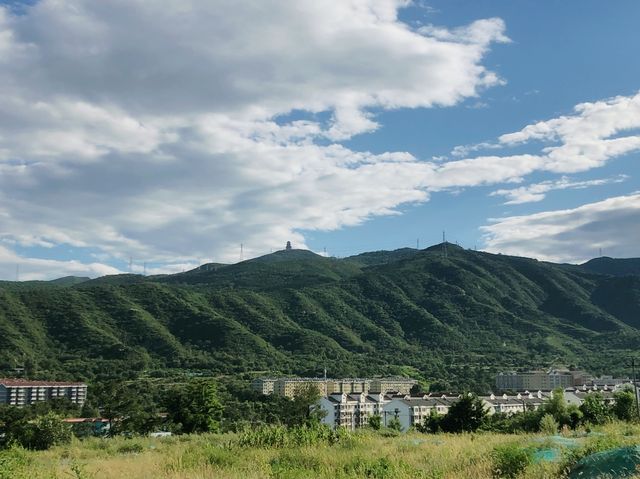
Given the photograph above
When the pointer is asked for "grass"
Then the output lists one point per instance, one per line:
(362, 455)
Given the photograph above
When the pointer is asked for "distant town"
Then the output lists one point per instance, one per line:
(351, 402)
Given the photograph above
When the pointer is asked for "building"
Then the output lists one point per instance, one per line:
(349, 385)
(540, 380)
(350, 411)
(263, 385)
(20, 392)
(387, 385)
(411, 411)
(289, 387)
(519, 402)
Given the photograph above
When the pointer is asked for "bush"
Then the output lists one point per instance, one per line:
(548, 425)
(13, 463)
(510, 460)
(130, 448)
(42, 433)
(281, 436)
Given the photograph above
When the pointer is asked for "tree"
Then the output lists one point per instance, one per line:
(548, 424)
(42, 432)
(624, 405)
(130, 408)
(375, 422)
(431, 424)
(195, 407)
(594, 409)
(465, 415)
(556, 406)
(306, 395)
(394, 424)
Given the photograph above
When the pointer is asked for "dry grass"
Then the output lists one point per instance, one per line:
(366, 455)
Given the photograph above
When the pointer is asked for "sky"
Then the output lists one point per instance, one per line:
(153, 136)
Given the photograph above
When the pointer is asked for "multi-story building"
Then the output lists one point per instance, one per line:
(540, 380)
(349, 385)
(263, 385)
(350, 411)
(20, 392)
(411, 411)
(387, 385)
(289, 387)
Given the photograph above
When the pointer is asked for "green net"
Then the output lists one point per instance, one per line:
(616, 463)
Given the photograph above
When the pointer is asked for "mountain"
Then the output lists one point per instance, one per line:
(613, 266)
(457, 318)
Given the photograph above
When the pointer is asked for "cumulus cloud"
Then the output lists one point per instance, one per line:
(595, 133)
(537, 191)
(572, 235)
(158, 130)
(161, 130)
(26, 269)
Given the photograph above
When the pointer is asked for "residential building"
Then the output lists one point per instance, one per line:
(21, 392)
(387, 385)
(350, 411)
(413, 410)
(540, 380)
(263, 385)
(349, 385)
(520, 402)
(289, 387)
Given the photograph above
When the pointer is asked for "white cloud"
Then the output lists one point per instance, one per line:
(157, 129)
(572, 235)
(152, 129)
(537, 191)
(28, 269)
(588, 138)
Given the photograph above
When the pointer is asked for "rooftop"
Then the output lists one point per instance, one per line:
(28, 383)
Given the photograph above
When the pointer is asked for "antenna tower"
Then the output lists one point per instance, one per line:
(241, 252)
(444, 244)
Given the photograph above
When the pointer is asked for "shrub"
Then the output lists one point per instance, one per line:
(13, 463)
(294, 465)
(548, 425)
(510, 460)
(281, 436)
(43, 432)
(130, 448)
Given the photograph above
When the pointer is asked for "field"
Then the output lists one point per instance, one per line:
(368, 455)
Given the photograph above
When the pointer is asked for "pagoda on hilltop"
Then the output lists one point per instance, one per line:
(288, 247)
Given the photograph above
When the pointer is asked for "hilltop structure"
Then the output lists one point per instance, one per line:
(288, 246)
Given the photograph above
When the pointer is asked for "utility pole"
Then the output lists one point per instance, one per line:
(635, 385)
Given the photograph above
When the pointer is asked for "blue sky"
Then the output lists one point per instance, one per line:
(355, 126)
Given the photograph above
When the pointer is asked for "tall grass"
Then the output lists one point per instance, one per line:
(311, 453)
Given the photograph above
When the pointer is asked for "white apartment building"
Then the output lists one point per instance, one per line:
(413, 410)
(350, 411)
(20, 392)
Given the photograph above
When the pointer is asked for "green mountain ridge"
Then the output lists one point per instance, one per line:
(456, 319)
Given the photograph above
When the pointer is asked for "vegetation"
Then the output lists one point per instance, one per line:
(365, 454)
(296, 313)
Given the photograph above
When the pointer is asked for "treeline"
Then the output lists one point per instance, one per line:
(142, 407)
(470, 414)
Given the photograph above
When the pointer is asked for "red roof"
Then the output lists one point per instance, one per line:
(26, 383)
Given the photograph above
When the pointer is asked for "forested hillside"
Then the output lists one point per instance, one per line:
(455, 319)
